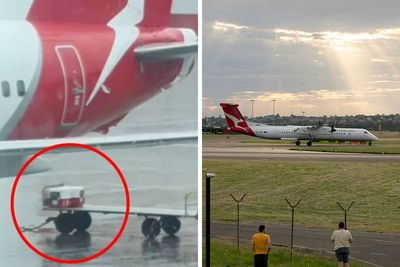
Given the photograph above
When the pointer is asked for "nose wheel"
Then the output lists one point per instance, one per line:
(309, 143)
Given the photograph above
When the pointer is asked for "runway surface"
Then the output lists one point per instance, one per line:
(236, 150)
(157, 177)
(372, 249)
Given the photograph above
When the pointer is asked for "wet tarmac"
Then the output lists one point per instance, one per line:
(158, 177)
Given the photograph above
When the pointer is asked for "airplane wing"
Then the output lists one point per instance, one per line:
(25, 147)
(165, 51)
(314, 127)
(140, 211)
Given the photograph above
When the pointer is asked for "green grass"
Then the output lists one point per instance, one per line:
(224, 254)
(375, 187)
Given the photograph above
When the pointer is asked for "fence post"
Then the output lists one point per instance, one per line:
(291, 236)
(345, 212)
(237, 218)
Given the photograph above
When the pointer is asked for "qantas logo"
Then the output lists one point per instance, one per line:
(236, 122)
(126, 33)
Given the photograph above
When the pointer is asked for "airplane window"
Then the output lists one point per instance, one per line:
(5, 87)
(21, 88)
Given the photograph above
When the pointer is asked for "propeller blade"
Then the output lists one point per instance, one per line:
(333, 128)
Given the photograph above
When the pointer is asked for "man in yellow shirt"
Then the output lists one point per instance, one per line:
(261, 243)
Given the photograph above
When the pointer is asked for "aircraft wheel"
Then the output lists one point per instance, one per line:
(370, 143)
(309, 143)
(297, 143)
(83, 220)
(170, 224)
(151, 227)
(65, 223)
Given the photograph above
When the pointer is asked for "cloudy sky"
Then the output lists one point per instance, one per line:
(326, 57)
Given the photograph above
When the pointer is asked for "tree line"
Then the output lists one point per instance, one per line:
(370, 122)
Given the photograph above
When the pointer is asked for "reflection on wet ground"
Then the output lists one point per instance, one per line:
(132, 248)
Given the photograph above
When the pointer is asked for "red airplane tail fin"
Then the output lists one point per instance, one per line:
(235, 120)
(76, 11)
(157, 13)
(154, 12)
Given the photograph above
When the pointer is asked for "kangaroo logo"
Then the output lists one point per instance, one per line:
(236, 122)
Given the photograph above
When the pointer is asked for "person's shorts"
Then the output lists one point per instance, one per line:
(261, 260)
(342, 254)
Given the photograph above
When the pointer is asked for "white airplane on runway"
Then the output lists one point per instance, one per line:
(237, 123)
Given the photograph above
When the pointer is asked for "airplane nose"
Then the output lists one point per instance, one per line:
(374, 138)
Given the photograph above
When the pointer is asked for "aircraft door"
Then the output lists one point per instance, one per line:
(74, 84)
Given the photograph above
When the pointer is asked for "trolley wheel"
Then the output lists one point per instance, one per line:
(151, 227)
(170, 224)
(82, 219)
(65, 223)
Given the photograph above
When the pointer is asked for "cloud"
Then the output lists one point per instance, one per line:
(378, 60)
(224, 26)
(316, 54)
(336, 38)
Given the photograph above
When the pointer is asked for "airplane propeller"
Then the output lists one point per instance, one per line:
(333, 128)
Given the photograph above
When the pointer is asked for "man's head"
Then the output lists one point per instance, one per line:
(261, 228)
(341, 225)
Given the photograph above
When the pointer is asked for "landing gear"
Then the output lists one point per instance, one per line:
(370, 143)
(66, 222)
(309, 143)
(170, 224)
(297, 143)
(151, 227)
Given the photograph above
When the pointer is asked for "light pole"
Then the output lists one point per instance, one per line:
(302, 118)
(209, 175)
(252, 107)
(273, 111)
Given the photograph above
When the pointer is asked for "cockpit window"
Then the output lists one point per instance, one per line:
(5, 88)
(21, 88)
(366, 132)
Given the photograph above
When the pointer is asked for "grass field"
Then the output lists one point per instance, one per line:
(225, 254)
(337, 148)
(375, 188)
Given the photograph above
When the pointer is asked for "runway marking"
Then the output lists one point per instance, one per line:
(378, 254)
(386, 241)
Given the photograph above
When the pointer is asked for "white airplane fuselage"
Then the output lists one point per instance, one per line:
(311, 133)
